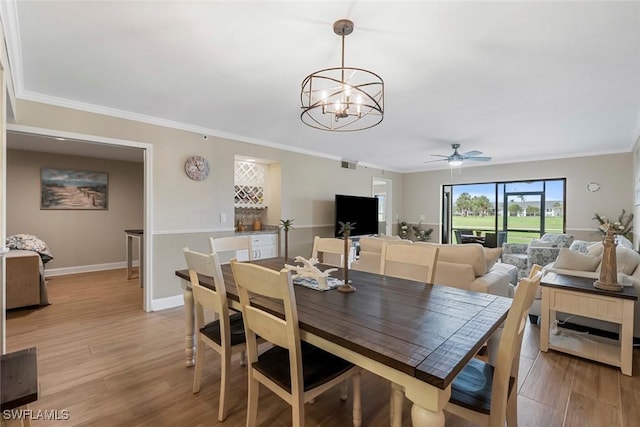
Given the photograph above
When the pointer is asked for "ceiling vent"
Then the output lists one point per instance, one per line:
(349, 164)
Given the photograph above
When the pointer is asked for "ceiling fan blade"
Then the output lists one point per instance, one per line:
(439, 160)
(480, 159)
(472, 153)
(440, 155)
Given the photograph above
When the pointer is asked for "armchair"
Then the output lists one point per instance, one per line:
(540, 252)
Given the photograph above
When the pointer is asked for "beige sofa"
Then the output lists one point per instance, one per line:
(468, 266)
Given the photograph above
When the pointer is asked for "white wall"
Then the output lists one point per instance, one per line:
(613, 172)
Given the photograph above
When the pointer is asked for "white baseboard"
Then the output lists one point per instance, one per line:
(86, 268)
(168, 302)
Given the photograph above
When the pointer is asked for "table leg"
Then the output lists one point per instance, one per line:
(428, 404)
(544, 320)
(189, 342)
(129, 257)
(626, 338)
(397, 398)
(140, 259)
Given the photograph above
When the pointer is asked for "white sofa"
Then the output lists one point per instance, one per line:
(468, 266)
(578, 260)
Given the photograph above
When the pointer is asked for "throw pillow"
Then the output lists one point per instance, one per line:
(573, 260)
(627, 260)
(595, 249)
(491, 255)
(581, 246)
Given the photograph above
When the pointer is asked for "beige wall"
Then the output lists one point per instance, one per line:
(186, 212)
(76, 237)
(613, 172)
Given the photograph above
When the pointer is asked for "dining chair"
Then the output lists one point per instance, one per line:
(330, 250)
(414, 262)
(296, 371)
(232, 244)
(487, 394)
(226, 334)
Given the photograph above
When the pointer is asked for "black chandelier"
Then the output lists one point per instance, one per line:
(342, 99)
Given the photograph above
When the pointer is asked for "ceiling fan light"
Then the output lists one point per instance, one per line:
(455, 162)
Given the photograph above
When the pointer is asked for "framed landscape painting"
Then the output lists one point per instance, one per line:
(70, 189)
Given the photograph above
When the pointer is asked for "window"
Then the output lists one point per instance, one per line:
(524, 209)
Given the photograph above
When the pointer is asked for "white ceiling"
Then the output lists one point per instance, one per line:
(516, 80)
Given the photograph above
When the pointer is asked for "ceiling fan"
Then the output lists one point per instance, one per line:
(456, 159)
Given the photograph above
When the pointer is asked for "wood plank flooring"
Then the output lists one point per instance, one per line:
(110, 364)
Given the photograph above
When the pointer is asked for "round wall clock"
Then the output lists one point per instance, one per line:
(197, 168)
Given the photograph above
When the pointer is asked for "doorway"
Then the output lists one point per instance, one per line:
(382, 190)
(87, 144)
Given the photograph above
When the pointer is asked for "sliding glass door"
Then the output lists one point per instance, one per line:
(524, 210)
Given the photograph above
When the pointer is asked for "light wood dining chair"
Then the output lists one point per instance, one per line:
(295, 371)
(232, 244)
(487, 395)
(330, 251)
(226, 334)
(415, 262)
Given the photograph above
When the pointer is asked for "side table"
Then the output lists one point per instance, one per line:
(130, 235)
(19, 384)
(576, 295)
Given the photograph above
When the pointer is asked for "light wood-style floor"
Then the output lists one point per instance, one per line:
(111, 364)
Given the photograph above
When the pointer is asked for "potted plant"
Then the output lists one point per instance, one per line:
(286, 225)
(345, 230)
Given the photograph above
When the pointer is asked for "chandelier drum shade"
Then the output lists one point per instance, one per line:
(342, 99)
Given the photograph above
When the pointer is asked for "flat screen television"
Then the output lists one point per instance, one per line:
(361, 210)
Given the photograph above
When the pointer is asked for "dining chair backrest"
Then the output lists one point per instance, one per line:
(329, 250)
(415, 262)
(502, 237)
(490, 240)
(233, 244)
(507, 361)
(206, 265)
(458, 234)
(254, 280)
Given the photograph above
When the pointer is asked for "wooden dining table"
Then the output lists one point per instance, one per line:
(415, 335)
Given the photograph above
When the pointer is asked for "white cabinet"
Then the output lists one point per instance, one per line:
(264, 246)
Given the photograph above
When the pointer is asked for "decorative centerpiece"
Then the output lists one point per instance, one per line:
(608, 280)
(286, 225)
(421, 235)
(622, 227)
(309, 270)
(345, 230)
